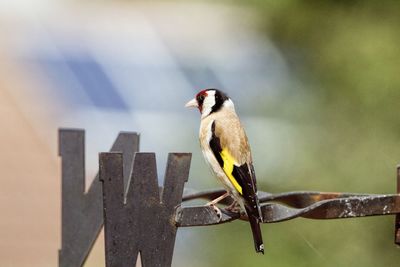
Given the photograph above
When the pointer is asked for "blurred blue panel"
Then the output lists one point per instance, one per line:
(67, 89)
(96, 83)
(82, 82)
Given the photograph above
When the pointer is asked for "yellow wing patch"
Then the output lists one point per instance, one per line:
(229, 161)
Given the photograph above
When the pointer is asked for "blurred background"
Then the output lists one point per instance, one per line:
(316, 84)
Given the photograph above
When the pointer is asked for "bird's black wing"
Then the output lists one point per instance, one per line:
(244, 180)
(242, 177)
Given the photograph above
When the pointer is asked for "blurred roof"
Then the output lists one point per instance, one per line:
(112, 67)
(108, 67)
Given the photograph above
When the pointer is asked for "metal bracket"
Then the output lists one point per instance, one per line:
(136, 220)
(139, 218)
(142, 218)
(287, 206)
(290, 205)
(81, 213)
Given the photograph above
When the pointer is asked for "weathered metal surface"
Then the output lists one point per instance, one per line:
(139, 219)
(81, 213)
(202, 216)
(348, 207)
(397, 220)
(286, 206)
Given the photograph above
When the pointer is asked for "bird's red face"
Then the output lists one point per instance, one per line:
(198, 101)
(208, 101)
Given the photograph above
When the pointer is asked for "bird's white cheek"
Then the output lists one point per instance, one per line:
(208, 103)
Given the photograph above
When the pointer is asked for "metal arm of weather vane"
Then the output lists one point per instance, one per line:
(290, 205)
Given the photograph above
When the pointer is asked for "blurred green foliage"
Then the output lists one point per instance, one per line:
(348, 48)
(343, 105)
(345, 58)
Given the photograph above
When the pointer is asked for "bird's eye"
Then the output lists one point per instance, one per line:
(201, 97)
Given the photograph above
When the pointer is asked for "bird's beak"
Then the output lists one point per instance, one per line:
(191, 104)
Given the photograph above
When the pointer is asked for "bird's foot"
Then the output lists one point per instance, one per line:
(218, 199)
(216, 210)
(234, 207)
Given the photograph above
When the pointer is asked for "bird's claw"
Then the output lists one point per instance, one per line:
(216, 210)
(234, 207)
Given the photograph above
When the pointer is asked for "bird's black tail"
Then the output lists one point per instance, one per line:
(254, 219)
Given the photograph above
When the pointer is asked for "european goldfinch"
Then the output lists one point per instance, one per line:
(226, 149)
